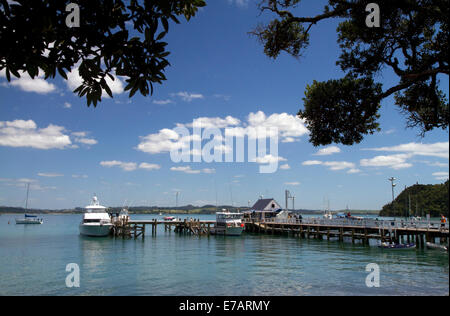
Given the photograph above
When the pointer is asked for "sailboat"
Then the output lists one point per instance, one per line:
(327, 214)
(29, 219)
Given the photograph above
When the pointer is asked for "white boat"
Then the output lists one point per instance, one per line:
(328, 215)
(431, 245)
(170, 218)
(29, 219)
(228, 224)
(96, 221)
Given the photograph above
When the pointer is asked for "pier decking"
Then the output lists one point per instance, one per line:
(136, 228)
(358, 230)
(396, 231)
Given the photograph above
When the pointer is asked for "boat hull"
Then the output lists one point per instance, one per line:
(398, 247)
(95, 230)
(436, 246)
(28, 222)
(227, 231)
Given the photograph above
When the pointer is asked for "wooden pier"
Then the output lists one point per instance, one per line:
(137, 228)
(362, 231)
(355, 230)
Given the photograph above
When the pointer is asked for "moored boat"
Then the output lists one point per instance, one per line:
(385, 245)
(29, 219)
(228, 224)
(431, 245)
(170, 218)
(96, 221)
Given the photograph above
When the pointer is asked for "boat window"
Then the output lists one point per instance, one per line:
(92, 220)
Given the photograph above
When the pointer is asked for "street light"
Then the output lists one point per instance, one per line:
(392, 179)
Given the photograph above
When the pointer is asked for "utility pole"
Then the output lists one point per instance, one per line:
(176, 194)
(287, 196)
(392, 179)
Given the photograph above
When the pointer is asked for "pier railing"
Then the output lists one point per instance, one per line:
(363, 223)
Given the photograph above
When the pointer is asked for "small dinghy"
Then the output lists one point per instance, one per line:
(431, 245)
(397, 246)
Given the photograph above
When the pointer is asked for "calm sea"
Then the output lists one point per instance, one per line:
(33, 261)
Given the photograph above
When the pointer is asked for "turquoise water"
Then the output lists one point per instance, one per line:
(33, 260)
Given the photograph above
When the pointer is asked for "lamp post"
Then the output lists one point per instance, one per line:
(392, 179)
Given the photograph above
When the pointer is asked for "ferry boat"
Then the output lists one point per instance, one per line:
(228, 224)
(96, 221)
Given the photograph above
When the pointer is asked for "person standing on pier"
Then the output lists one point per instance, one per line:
(443, 221)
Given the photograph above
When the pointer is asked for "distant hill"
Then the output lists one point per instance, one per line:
(187, 209)
(425, 199)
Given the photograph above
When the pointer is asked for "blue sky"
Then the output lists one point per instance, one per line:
(67, 151)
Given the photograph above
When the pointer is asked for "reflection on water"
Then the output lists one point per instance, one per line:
(33, 261)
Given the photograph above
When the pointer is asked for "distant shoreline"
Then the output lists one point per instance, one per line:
(198, 211)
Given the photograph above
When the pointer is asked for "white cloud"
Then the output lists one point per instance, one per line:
(185, 169)
(339, 165)
(391, 161)
(130, 166)
(164, 141)
(50, 175)
(189, 170)
(186, 96)
(74, 80)
(126, 166)
(442, 175)
(285, 167)
(289, 127)
(312, 162)
(213, 122)
(22, 182)
(27, 84)
(440, 149)
(328, 151)
(239, 3)
(67, 105)
(222, 96)
(333, 165)
(292, 183)
(80, 137)
(86, 141)
(269, 159)
(149, 166)
(21, 133)
(77, 176)
(162, 102)
(437, 164)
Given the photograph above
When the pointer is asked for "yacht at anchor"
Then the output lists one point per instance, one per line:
(96, 221)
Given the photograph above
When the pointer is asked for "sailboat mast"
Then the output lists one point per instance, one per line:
(28, 190)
